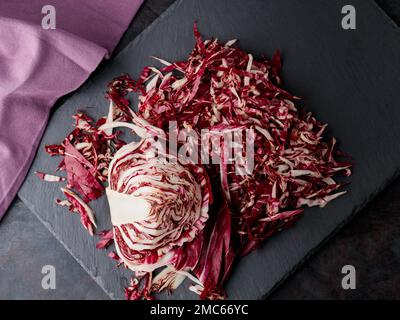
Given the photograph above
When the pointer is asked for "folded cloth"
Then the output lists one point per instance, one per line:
(38, 66)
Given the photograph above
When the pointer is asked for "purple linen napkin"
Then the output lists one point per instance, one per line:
(38, 66)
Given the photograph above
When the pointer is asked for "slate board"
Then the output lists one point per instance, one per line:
(350, 79)
(34, 248)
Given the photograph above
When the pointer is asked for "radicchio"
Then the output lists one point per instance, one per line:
(221, 87)
(86, 152)
(156, 205)
(195, 221)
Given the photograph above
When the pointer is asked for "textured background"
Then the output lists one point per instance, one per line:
(370, 242)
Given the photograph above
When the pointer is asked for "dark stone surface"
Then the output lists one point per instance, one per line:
(150, 10)
(25, 247)
(342, 75)
(370, 242)
(391, 8)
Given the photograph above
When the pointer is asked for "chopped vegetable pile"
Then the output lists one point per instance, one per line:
(174, 220)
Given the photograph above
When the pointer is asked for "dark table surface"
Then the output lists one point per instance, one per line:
(370, 242)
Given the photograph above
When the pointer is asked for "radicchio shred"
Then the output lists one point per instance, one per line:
(219, 86)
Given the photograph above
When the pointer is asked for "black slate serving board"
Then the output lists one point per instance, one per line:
(348, 78)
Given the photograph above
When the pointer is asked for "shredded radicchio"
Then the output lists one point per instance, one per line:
(156, 206)
(86, 153)
(173, 221)
(106, 239)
